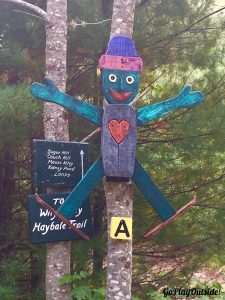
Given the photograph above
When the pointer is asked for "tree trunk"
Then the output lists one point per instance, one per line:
(119, 196)
(56, 128)
(98, 254)
(123, 17)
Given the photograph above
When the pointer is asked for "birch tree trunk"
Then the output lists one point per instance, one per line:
(119, 196)
(56, 128)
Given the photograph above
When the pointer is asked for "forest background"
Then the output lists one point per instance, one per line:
(181, 42)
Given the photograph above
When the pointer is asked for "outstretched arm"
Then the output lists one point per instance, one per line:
(184, 99)
(50, 92)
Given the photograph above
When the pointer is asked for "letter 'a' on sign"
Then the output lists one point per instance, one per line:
(121, 228)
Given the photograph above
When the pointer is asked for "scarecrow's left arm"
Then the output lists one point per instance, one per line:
(182, 100)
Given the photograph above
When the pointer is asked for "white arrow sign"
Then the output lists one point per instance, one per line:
(82, 162)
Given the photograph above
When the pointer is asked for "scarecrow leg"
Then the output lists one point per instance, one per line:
(82, 190)
(178, 213)
(152, 192)
(157, 199)
(78, 195)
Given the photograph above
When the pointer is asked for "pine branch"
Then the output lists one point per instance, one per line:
(188, 28)
(195, 188)
(173, 140)
(25, 4)
(29, 14)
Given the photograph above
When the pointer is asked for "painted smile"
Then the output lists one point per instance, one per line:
(120, 96)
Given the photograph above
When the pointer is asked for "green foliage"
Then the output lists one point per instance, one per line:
(19, 115)
(7, 293)
(82, 286)
(20, 118)
(210, 285)
(155, 295)
(21, 44)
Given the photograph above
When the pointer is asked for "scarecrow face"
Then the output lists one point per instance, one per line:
(120, 87)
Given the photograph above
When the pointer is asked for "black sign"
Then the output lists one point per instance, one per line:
(59, 163)
(45, 227)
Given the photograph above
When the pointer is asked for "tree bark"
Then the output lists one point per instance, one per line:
(56, 128)
(98, 212)
(123, 17)
(119, 196)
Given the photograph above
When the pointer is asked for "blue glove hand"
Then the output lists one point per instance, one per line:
(189, 99)
(47, 91)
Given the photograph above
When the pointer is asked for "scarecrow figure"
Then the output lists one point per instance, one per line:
(121, 67)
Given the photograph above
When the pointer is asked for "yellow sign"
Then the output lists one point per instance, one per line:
(121, 228)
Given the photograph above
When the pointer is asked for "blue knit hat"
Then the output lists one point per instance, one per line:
(121, 55)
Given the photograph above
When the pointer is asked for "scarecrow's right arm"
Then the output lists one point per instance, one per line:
(184, 99)
(50, 92)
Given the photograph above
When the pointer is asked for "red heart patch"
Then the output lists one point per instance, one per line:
(119, 130)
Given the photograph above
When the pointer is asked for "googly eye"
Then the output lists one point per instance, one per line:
(112, 78)
(130, 79)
